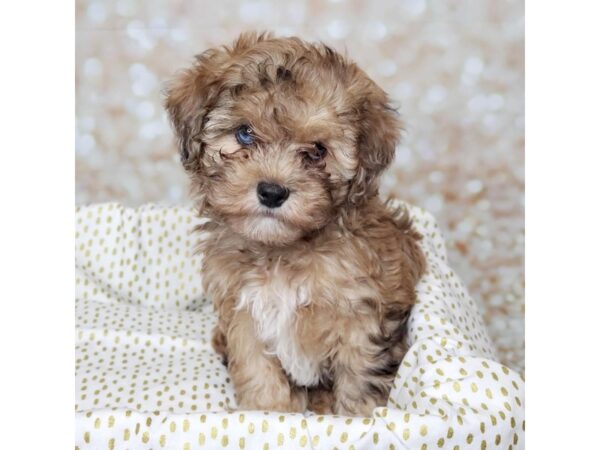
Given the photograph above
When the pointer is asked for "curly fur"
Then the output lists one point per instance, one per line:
(313, 296)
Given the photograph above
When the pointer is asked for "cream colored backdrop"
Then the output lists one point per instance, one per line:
(455, 68)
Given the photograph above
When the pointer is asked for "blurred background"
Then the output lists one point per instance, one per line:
(454, 67)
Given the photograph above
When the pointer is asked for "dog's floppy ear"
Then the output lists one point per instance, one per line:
(189, 97)
(194, 91)
(378, 134)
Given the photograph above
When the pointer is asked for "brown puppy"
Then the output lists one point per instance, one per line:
(312, 276)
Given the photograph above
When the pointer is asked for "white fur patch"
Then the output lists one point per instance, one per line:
(273, 306)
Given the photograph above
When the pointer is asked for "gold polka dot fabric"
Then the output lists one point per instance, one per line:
(147, 377)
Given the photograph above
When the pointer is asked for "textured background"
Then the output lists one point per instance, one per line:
(455, 68)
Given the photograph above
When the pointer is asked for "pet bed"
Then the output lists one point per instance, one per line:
(147, 377)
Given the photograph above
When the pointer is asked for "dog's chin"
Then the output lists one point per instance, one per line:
(267, 230)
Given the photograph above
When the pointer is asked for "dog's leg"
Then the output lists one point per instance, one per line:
(362, 376)
(259, 380)
(219, 343)
(224, 306)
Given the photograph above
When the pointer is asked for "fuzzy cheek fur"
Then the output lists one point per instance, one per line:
(313, 291)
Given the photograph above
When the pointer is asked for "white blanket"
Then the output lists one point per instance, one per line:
(147, 377)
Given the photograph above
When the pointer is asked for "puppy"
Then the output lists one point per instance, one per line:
(312, 276)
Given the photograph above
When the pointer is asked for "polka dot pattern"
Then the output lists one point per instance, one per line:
(147, 377)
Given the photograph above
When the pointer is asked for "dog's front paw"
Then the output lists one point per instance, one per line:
(282, 401)
(362, 407)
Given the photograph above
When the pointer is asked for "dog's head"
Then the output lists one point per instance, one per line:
(280, 136)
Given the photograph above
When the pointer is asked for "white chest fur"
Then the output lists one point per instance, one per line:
(273, 305)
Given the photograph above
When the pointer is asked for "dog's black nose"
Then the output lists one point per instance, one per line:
(271, 195)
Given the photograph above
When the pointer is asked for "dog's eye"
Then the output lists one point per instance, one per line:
(316, 153)
(244, 135)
